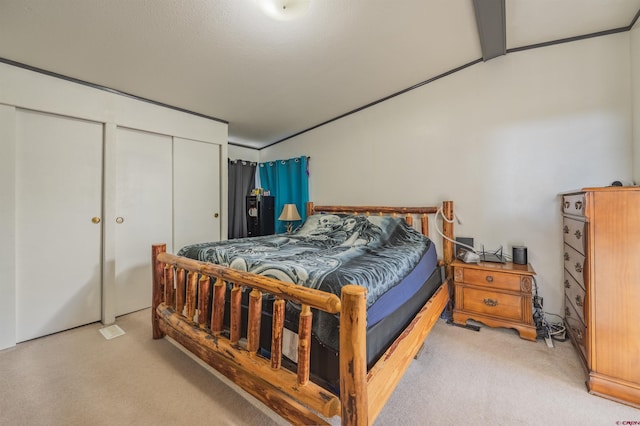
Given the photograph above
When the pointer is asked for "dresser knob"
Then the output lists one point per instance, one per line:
(567, 312)
(577, 333)
(566, 229)
(489, 279)
(566, 256)
(490, 302)
(567, 284)
(578, 234)
(578, 205)
(567, 204)
(578, 267)
(578, 300)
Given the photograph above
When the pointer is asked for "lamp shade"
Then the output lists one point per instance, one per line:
(289, 212)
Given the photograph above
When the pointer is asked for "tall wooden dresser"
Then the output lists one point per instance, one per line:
(601, 229)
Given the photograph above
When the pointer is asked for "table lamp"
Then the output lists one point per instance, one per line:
(289, 214)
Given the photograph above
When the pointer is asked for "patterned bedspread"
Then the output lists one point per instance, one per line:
(326, 252)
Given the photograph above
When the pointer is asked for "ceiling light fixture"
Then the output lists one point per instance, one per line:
(284, 10)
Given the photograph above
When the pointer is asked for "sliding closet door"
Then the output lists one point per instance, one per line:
(196, 185)
(58, 228)
(143, 212)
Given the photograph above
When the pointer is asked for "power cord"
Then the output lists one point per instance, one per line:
(557, 330)
(455, 219)
(546, 329)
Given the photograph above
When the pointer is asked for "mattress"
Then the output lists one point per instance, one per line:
(385, 321)
(325, 361)
(401, 293)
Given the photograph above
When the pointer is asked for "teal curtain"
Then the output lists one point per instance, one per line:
(288, 182)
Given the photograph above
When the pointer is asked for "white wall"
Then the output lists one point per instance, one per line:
(501, 139)
(635, 82)
(242, 153)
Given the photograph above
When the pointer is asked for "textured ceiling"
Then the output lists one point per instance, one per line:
(270, 78)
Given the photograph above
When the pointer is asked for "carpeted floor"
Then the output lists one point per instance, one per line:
(462, 377)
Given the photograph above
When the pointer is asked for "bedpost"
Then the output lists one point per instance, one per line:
(310, 210)
(353, 355)
(447, 227)
(158, 287)
(448, 249)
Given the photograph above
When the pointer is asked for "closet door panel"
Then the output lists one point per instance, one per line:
(196, 180)
(58, 245)
(143, 212)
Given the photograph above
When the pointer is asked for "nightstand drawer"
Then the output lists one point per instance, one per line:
(573, 204)
(492, 303)
(575, 293)
(493, 279)
(574, 233)
(574, 263)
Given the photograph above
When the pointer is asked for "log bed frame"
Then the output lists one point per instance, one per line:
(198, 326)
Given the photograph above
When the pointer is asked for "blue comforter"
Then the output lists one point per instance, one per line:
(325, 253)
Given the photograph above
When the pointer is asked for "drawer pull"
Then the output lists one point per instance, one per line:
(490, 302)
(578, 300)
(567, 284)
(578, 234)
(578, 205)
(566, 256)
(566, 229)
(567, 204)
(489, 279)
(578, 267)
(567, 312)
(577, 333)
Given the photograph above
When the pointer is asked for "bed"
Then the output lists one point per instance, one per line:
(238, 306)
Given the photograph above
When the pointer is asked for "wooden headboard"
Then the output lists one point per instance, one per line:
(409, 213)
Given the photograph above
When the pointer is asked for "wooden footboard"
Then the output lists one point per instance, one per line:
(189, 303)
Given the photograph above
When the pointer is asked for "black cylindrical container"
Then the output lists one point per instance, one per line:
(519, 255)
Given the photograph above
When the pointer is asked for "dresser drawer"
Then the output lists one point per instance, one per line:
(574, 233)
(573, 204)
(575, 326)
(492, 303)
(488, 278)
(575, 294)
(574, 263)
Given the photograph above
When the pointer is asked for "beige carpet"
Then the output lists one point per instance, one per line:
(462, 377)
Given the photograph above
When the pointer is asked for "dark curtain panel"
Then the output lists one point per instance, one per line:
(242, 176)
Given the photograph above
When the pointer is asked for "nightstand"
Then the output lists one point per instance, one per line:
(495, 294)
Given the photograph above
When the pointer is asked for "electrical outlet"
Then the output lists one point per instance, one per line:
(537, 301)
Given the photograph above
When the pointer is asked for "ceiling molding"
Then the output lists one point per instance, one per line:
(634, 20)
(386, 98)
(569, 39)
(106, 89)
